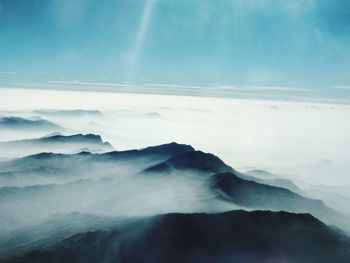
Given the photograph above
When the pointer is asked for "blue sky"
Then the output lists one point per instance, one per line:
(304, 44)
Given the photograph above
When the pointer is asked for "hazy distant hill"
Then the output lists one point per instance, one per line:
(13, 123)
(54, 143)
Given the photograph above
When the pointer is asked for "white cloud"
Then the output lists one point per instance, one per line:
(91, 84)
(343, 87)
(265, 88)
(8, 72)
(242, 132)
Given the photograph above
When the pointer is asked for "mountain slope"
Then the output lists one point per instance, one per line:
(260, 196)
(207, 176)
(13, 122)
(193, 160)
(237, 236)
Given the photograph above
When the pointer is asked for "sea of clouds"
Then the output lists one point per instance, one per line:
(306, 142)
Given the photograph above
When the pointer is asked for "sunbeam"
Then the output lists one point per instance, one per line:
(140, 38)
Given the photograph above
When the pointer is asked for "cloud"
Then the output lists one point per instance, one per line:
(265, 88)
(342, 87)
(243, 132)
(8, 73)
(168, 85)
(181, 86)
(91, 84)
(140, 38)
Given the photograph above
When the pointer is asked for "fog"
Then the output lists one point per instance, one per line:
(304, 141)
(303, 145)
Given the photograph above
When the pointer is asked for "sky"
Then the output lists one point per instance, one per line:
(297, 47)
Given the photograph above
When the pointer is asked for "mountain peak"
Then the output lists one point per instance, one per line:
(170, 149)
(193, 160)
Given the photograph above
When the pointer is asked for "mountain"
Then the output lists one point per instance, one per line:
(236, 236)
(52, 230)
(208, 177)
(54, 143)
(141, 184)
(48, 168)
(256, 195)
(261, 176)
(192, 160)
(168, 149)
(13, 122)
(159, 153)
(261, 196)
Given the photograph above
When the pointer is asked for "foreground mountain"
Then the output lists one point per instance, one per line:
(52, 230)
(55, 143)
(46, 198)
(237, 236)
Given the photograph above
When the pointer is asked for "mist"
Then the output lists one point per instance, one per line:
(77, 164)
(247, 134)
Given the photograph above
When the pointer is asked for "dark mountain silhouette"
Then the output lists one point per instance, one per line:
(256, 195)
(92, 138)
(99, 183)
(228, 184)
(236, 236)
(193, 160)
(13, 122)
(48, 168)
(166, 150)
(261, 196)
(162, 151)
(59, 139)
(51, 231)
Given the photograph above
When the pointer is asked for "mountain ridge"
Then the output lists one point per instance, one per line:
(238, 236)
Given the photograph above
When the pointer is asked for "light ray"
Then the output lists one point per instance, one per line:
(140, 38)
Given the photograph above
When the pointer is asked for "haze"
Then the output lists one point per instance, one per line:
(305, 141)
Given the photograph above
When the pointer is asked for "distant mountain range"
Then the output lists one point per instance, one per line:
(55, 143)
(13, 122)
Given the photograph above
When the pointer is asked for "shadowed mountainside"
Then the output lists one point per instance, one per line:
(192, 160)
(103, 171)
(237, 236)
(261, 196)
(151, 181)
